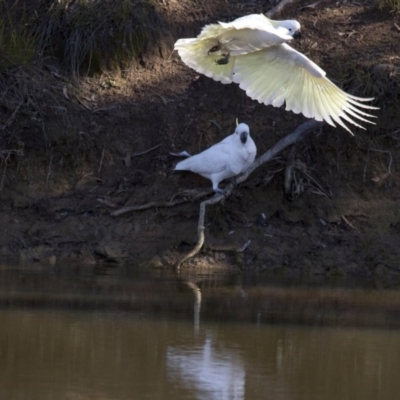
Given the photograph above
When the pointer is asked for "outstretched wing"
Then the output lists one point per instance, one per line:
(281, 74)
(241, 36)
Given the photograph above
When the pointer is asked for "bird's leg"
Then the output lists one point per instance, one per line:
(224, 60)
(220, 191)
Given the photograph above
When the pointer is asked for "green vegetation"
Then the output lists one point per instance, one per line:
(85, 35)
(17, 46)
(392, 5)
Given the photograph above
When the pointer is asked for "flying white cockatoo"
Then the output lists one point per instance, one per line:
(252, 51)
(223, 160)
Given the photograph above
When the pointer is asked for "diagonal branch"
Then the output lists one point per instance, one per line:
(281, 145)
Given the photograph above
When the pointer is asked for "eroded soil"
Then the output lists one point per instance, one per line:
(80, 159)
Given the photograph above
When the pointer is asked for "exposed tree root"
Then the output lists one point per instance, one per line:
(200, 226)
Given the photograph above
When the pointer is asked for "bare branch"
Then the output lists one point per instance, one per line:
(281, 145)
(185, 199)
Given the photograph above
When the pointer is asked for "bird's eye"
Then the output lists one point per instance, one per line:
(290, 29)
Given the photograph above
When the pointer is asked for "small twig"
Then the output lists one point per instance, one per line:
(11, 119)
(78, 103)
(316, 183)
(166, 204)
(378, 151)
(245, 246)
(216, 124)
(49, 170)
(107, 108)
(390, 157)
(164, 99)
(146, 151)
(101, 160)
(107, 203)
(355, 21)
(280, 6)
(81, 102)
(390, 266)
(313, 5)
(349, 223)
(4, 172)
(9, 152)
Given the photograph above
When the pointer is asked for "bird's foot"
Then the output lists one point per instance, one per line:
(221, 191)
(233, 181)
(224, 60)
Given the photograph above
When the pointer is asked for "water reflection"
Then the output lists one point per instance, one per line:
(208, 371)
(154, 338)
(197, 303)
(97, 355)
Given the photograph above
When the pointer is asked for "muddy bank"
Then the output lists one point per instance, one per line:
(105, 145)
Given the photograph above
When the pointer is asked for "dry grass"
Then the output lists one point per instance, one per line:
(17, 44)
(84, 35)
(90, 36)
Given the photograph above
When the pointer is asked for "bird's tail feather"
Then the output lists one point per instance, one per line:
(184, 165)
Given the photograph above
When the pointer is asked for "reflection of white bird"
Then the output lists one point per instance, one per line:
(208, 369)
(252, 51)
(223, 160)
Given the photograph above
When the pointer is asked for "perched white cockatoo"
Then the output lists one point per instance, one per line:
(252, 51)
(223, 160)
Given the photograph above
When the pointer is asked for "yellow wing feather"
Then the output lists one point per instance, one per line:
(304, 89)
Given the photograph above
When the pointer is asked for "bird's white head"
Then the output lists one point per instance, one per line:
(243, 132)
(291, 27)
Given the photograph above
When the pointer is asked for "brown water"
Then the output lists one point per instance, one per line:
(114, 337)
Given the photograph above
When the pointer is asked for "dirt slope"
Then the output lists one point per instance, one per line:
(340, 219)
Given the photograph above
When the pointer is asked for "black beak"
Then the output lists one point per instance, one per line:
(297, 35)
(243, 137)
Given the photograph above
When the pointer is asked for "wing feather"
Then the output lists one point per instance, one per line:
(281, 74)
(322, 107)
(194, 53)
(252, 21)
